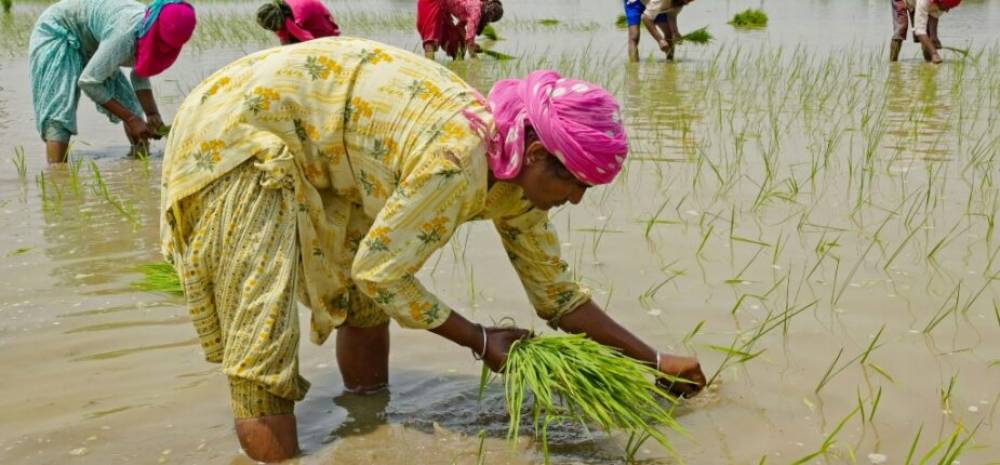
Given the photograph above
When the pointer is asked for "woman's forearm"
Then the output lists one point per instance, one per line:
(118, 110)
(147, 101)
(589, 319)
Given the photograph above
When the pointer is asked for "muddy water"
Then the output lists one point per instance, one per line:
(824, 195)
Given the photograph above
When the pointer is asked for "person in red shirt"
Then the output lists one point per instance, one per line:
(454, 24)
(295, 21)
(924, 14)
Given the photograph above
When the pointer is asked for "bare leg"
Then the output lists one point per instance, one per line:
(363, 357)
(900, 23)
(894, 47)
(55, 151)
(633, 44)
(269, 439)
(665, 30)
(930, 53)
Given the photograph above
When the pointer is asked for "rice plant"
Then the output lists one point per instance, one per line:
(490, 33)
(749, 18)
(572, 378)
(621, 22)
(159, 277)
(699, 36)
(20, 164)
(7, 5)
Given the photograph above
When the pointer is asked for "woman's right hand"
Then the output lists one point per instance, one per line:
(498, 342)
(137, 130)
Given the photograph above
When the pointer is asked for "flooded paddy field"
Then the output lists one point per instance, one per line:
(817, 225)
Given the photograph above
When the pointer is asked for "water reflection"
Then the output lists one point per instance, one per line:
(93, 239)
(659, 111)
(919, 108)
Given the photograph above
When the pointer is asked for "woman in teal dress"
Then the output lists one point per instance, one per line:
(82, 44)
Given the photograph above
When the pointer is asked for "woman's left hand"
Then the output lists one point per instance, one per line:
(686, 368)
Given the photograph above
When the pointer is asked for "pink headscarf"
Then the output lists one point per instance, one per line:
(311, 21)
(168, 25)
(578, 122)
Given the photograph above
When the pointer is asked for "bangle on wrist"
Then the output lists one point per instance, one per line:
(481, 354)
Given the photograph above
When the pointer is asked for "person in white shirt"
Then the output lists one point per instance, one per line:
(667, 34)
(924, 14)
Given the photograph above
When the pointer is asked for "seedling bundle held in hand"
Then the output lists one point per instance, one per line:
(159, 277)
(573, 378)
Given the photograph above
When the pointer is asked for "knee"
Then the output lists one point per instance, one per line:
(268, 439)
(633, 35)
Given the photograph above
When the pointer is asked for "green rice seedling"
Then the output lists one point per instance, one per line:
(833, 371)
(704, 240)
(649, 295)
(749, 18)
(100, 187)
(699, 36)
(945, 310)
(633, 444)
(694, 332)
(498, 55)
(950, 447)
(830, 441)
(19, 163)
(549, 22)
(481, 451)
(875, 404)
(159, 277)
(875, 240)
(74, 166)
(7, 5)
(872, 346)
(490, 32)
(740, 351)
(945, 394)
(913, 445)
(163, 131)
(573, 378)
(961, 51)
(621, 22)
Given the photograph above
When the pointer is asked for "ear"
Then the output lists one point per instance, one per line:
(534, 153)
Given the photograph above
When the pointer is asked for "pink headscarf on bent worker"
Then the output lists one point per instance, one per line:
(948, 4)
(168, 25)
(311, 20)
(578, 122)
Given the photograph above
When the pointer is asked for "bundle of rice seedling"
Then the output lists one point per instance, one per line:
(163, 131)
(7, 5)
(622, 21)
(159, 277)
(698, 36)
(490, 33)
(497, 55)
(750, 18)
(573, 378)
(549, 22)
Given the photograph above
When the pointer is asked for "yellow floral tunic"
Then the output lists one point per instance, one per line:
(384, 167)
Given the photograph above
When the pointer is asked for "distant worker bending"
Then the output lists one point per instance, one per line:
(924, 14)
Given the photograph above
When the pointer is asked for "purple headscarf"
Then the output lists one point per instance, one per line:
(577, 121)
